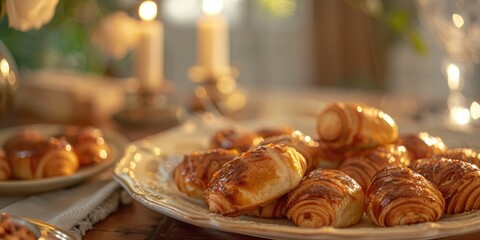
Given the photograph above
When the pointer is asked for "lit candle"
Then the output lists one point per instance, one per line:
(149, 52)
(212, 37)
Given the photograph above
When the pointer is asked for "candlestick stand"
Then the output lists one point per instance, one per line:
(150, 109)
(219, 91)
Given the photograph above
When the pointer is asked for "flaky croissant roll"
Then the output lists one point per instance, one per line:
(267, 132)
(49, 158)
(458, 181)
(88, 143)
(464, 154)
(254, 179)
(195, 171)
(399, 196)
(364, 165)
(233, 138)
(355, 127)
(275, 209)
(422, 145)
(5, 170)
(325, 197)
(305, 145)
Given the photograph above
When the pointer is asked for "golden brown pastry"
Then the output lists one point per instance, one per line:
(233, 138)
(275, 209)
(267, 132)
(326, 197)
(88, 143)
(458, 181)
(25, 139)
(364, 165)
(49, 158)
(195, 171)
(5, 170)
(355, 127)
(422, 145)
(254, 179)
(330, 157)
(399, 196)
(469, 155)
(305, 145)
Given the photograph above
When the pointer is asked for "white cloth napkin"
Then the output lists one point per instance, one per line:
(63, 208)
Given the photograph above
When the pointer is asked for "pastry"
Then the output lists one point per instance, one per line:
(254, 179)
(305, 145)
(267, 132)
(275, 209)
(195, 171)
(48, 158)
(325, 197)
(469, 155)
(399, 196)
(234, 138)
(458, 181)
(22, 141)
(364, 165)
(5, 171)
(422, 145)
(354, 127)
(88, 143)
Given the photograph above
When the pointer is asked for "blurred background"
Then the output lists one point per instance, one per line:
(369, 46)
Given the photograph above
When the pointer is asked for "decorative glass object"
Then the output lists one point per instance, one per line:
(8, 80)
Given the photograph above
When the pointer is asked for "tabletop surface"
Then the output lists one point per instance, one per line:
(135, 221)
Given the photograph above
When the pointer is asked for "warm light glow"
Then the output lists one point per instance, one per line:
(4, 67)
(212, 7)
(457, 20)
(475, 110)
(460, 115)
(453, 75)
(226, 85)
(236, 101)
(147, 10)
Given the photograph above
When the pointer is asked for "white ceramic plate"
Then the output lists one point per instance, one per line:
(145, 171)
(22, 187)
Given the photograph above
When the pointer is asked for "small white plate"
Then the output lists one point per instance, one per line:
(24, 187)
(145, 172)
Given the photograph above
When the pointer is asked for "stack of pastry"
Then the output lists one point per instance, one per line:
(393, 179)
(29, 154)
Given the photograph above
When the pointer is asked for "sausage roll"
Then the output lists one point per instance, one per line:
(422, 145)
(364, 165)
(254, 179)
(355, 127)
(398, 196)
(458, 181)
(195, 171)
(326, 197)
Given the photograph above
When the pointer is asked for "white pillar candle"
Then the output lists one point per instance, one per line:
(149, 52)
(212, 38)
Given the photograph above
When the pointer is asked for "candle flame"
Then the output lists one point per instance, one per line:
(457, 20)
(4, 67)
(453, 74)
(475, 110)
(147, 10)
(212, 7)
